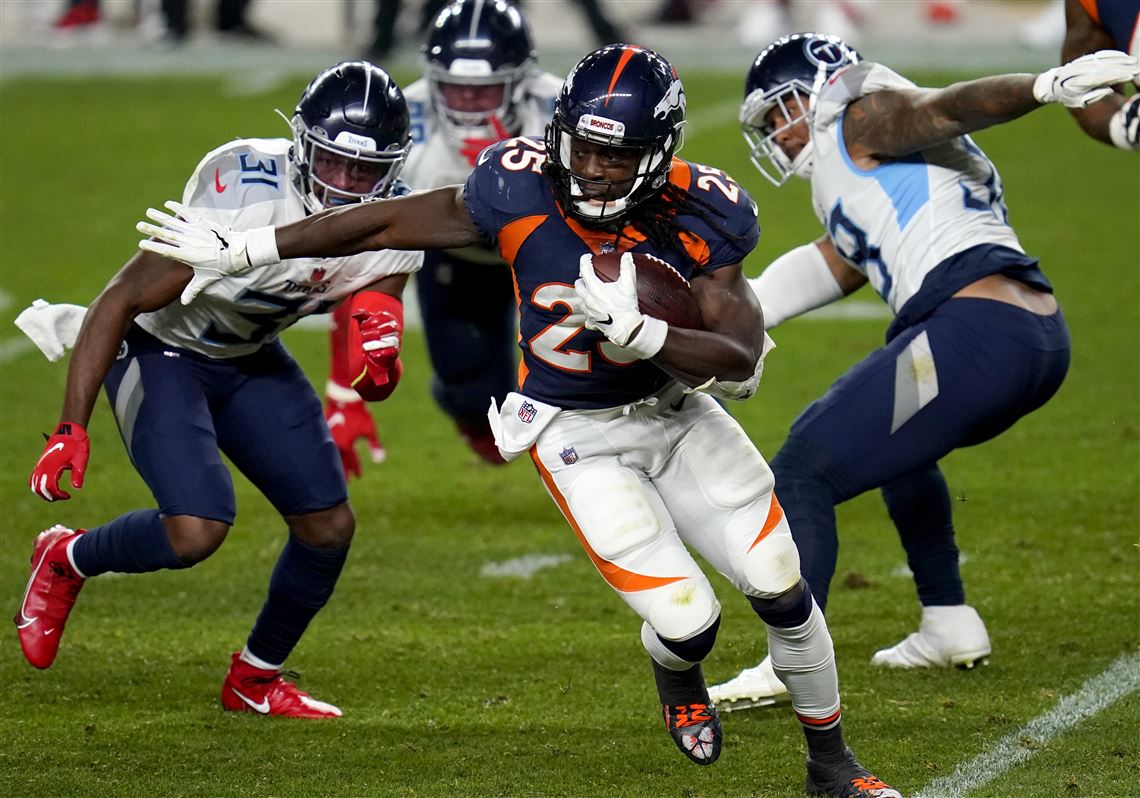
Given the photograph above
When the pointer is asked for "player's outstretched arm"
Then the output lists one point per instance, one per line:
(892, 124)
(435, 219)
(147, 282)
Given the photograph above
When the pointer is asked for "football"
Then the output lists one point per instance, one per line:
(661, 290)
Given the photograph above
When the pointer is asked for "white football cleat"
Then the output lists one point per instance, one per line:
(752, 687)
(948, 636)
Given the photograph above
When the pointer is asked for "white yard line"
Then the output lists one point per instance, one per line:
(1098, 693)
(526, 566)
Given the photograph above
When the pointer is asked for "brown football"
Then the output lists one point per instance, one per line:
(661, 290)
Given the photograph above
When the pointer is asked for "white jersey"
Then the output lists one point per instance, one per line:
(435, 162)
(897, 222)
(245, 184)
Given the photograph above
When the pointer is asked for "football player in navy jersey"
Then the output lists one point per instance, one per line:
(912, 206)
(188, 383)
(1092, 25)
(616, 409)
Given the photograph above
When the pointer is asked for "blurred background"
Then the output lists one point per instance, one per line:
(148, 36)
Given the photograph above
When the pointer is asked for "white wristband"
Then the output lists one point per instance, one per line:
(261, 246)
(794, 283)
(649, 339)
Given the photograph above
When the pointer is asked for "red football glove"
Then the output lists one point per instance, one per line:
(380, 342)
(66, 450)
(349, 422)
(472, 147)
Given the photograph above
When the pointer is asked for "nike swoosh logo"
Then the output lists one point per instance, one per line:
(218, 185)
(55, 448)
(261, 707)
(48, 631)
(606, 320)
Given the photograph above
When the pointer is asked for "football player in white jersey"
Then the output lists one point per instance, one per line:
(480, 85)
(188, 383)
(912, 206)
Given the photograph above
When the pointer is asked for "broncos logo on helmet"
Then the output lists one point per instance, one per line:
(620, 96)
(350, 136)
(787, 75)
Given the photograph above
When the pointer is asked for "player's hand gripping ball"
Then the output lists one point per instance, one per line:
(662, 292)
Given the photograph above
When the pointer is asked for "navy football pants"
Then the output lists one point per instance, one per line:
(960, 377)
(179, 411)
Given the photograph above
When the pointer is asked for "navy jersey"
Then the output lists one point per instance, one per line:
(1119, 18)
(514, 206)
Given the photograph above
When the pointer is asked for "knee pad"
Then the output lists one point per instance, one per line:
(613, 512)
(697, 647)
(785, 611)
(772, 566)
(726, 465)
(683, 610)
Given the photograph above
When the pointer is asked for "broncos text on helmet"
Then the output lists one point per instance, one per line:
(620, 96)
(787, 75)
(350, 136)
(476, 60)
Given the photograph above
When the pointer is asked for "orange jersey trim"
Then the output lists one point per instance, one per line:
(619, 579)
(1090, 8)
(514, 233)
(775, 515)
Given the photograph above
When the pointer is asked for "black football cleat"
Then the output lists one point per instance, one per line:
(690, 717)
(845, 778)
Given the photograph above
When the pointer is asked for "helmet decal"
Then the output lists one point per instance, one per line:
(674, 98)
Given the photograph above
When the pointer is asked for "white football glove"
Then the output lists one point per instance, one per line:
(1080, 83)
(1124, 127)
(611, 308)
(212, 250)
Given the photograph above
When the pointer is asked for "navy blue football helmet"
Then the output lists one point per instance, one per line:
(787, 75)
(621, 96)
(478, 56)
(350, 136)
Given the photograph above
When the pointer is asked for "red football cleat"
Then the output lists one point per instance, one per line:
(264, 692)
(53, 586)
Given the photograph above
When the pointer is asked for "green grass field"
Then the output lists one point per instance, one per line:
(457, 684)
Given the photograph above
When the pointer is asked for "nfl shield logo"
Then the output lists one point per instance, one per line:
(568, 455)
(606, 248)
(527, 412)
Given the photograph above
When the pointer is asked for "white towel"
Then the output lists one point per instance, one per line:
(53, 328)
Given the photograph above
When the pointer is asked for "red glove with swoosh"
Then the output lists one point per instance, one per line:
(380, 343)
(472, 147)
(66, 450)
(373, 344)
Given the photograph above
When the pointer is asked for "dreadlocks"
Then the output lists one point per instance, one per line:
(657, 218)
